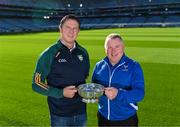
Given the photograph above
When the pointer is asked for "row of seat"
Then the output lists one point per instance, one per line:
(27, 24)
(58, 4)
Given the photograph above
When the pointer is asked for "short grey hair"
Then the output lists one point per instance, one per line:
(112, 36)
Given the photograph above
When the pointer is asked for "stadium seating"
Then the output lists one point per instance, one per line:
(38, 15)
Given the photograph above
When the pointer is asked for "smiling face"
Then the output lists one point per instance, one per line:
(69, 32)
(114, 50)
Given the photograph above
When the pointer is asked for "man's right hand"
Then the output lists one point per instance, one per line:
(69, 91)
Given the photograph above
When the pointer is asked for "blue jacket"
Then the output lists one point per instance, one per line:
(127, 77)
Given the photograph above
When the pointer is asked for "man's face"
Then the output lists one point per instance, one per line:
(115, 50)
(69, 31)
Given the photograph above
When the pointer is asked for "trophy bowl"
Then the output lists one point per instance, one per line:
(90, 92)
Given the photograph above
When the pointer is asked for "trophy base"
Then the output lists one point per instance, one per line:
(89, 100)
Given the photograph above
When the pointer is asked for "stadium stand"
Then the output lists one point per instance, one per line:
(38, 15)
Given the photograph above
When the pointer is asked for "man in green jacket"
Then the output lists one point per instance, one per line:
(59, 70)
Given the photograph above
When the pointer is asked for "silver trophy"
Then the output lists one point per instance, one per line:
(90, 92)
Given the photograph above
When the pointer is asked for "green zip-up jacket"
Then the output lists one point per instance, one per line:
(43, 69)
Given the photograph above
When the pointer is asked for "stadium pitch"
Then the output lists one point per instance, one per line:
(157, 50)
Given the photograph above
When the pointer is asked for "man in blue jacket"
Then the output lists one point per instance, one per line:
(123, 80)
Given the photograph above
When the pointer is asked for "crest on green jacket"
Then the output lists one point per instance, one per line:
(80, 57)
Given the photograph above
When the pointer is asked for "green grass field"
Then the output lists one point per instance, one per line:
(157, 50)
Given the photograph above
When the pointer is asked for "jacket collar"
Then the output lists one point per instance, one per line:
(61, 44)
(122, 60)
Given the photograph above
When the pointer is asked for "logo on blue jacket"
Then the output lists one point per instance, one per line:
(125, 68)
